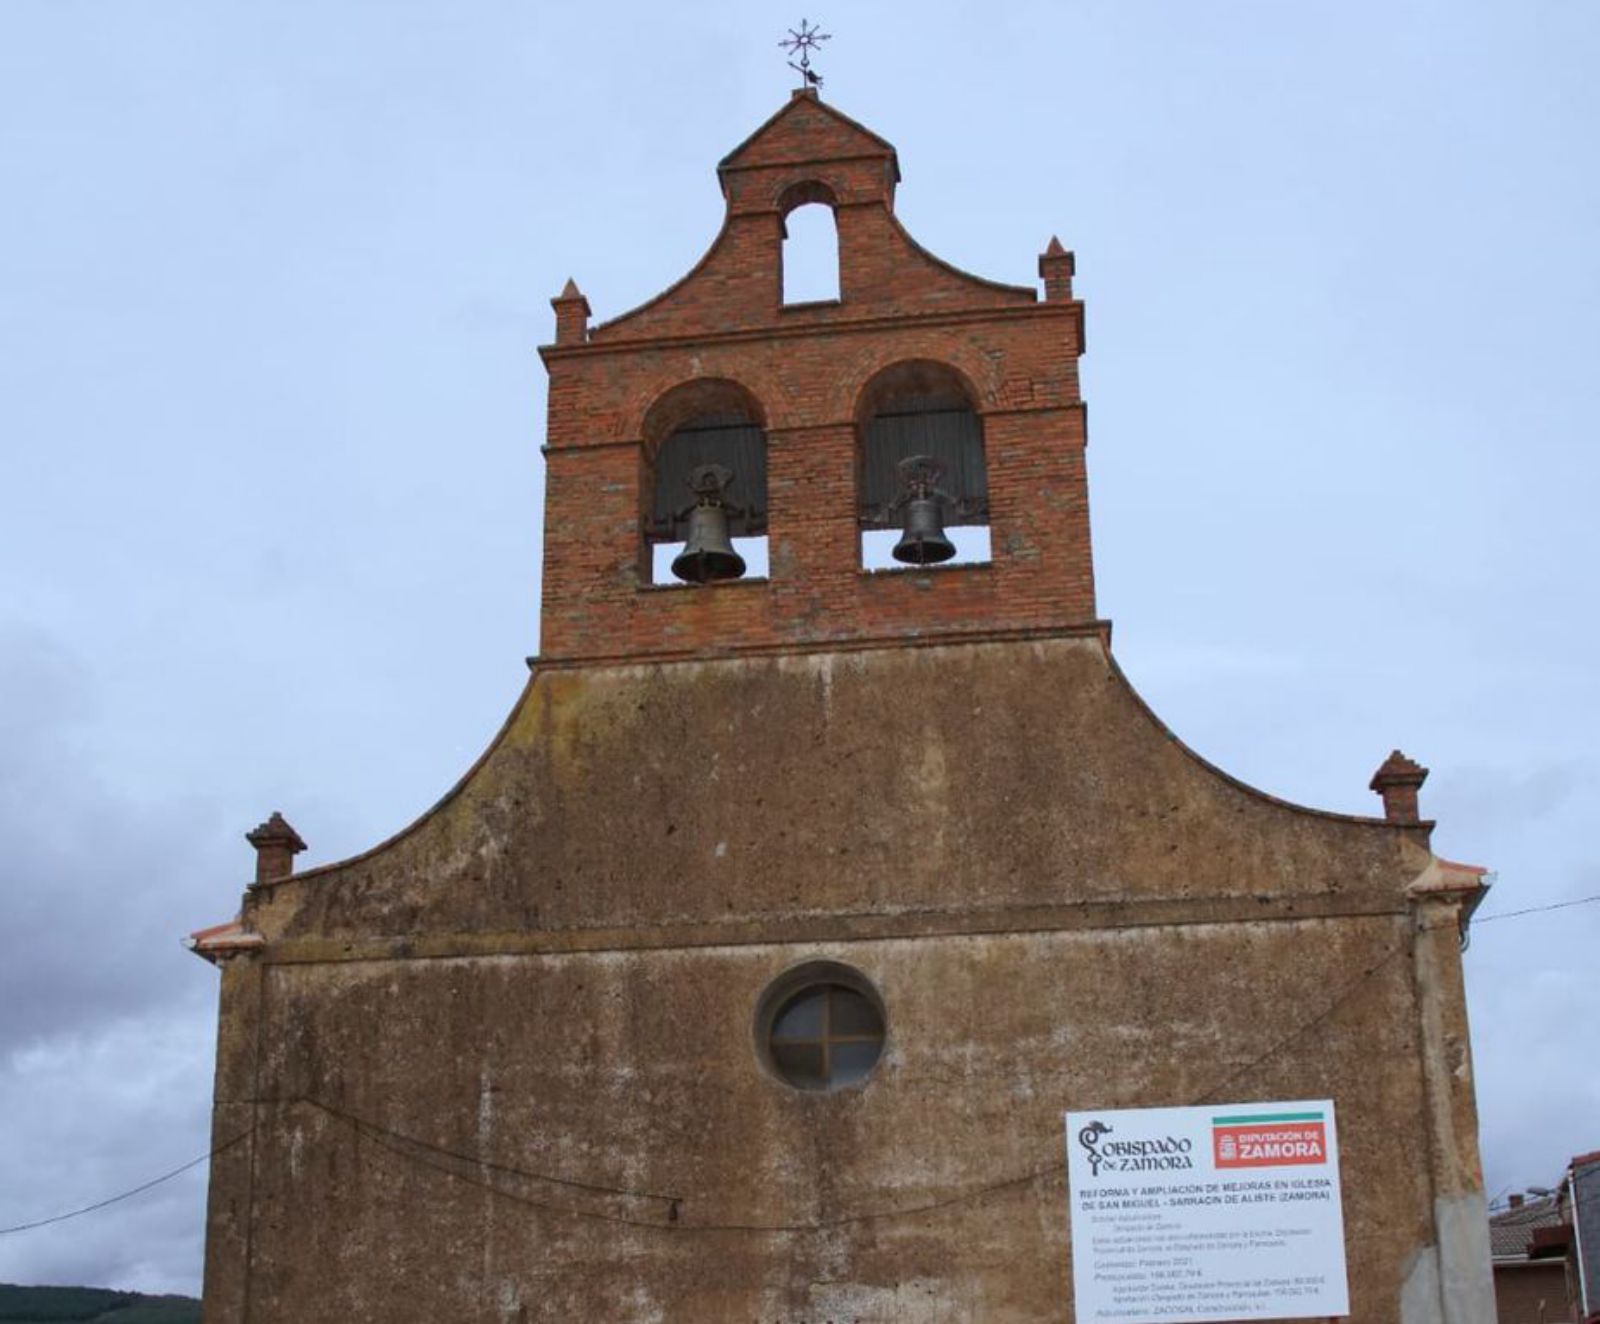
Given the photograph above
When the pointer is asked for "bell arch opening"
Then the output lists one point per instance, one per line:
(706, 521)
(922, 482)
(808, 260)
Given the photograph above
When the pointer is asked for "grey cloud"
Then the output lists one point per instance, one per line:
(97, 1111)
(95, 887)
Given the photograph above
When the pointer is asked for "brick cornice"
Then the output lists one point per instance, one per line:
(1099, 629)
(803, 163)
(789, 930)
(866, 325)
(777, 430)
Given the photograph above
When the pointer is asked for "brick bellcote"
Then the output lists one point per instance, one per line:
(721, 349)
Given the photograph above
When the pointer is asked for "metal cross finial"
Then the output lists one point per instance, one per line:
(802, 41)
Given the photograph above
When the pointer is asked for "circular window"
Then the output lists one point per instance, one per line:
(822, 1028)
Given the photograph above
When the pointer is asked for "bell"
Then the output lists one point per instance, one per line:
(923, 542)
(708, 554)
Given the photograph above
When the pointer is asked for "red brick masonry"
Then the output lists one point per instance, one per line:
(808, 367)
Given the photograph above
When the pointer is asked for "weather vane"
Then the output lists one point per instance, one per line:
(802, 41)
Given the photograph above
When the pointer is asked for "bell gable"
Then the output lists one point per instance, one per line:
(825, 467)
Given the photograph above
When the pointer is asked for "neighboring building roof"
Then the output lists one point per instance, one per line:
(1580, 1187)
(1511, 1230)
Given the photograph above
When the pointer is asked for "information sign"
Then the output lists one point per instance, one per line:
(1226, 1212)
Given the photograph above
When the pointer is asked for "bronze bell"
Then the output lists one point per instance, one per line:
(924, 541)
(708, 553)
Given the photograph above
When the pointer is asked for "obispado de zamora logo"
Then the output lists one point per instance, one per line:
(1152, 1154)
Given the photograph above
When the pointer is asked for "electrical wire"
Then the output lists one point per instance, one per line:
(407, 1147)
(380, 1136)
(1539, 910)
(1349, 992)
(673, 1220)
(129, 1194)
(571, 1183)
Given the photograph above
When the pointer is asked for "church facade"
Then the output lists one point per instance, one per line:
(748, 974)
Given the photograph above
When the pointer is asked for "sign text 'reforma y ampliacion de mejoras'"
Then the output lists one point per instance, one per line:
(1226, 1212)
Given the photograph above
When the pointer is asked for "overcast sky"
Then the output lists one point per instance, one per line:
(271, 280)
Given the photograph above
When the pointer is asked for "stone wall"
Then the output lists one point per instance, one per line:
(506, 1067)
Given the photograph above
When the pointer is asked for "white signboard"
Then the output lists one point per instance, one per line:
(1229, 1212)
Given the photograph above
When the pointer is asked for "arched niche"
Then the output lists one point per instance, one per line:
(809, 258)
(921, 407)
(709, 421)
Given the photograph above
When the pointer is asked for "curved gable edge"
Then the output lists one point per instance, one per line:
(1021, 293)
(241, 932)
(614, 329)
(259, 892)
(604, 329)
(1423, 827)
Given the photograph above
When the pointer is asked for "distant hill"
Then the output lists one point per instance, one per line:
(58, 1305)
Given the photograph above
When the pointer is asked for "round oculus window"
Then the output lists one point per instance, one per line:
(822, 1032)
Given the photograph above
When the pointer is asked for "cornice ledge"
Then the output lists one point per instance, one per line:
(889, 321)
(1446, 880)
(220, 941)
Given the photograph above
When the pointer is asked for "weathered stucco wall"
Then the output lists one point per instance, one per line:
(995, 778)
(504, 1067)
